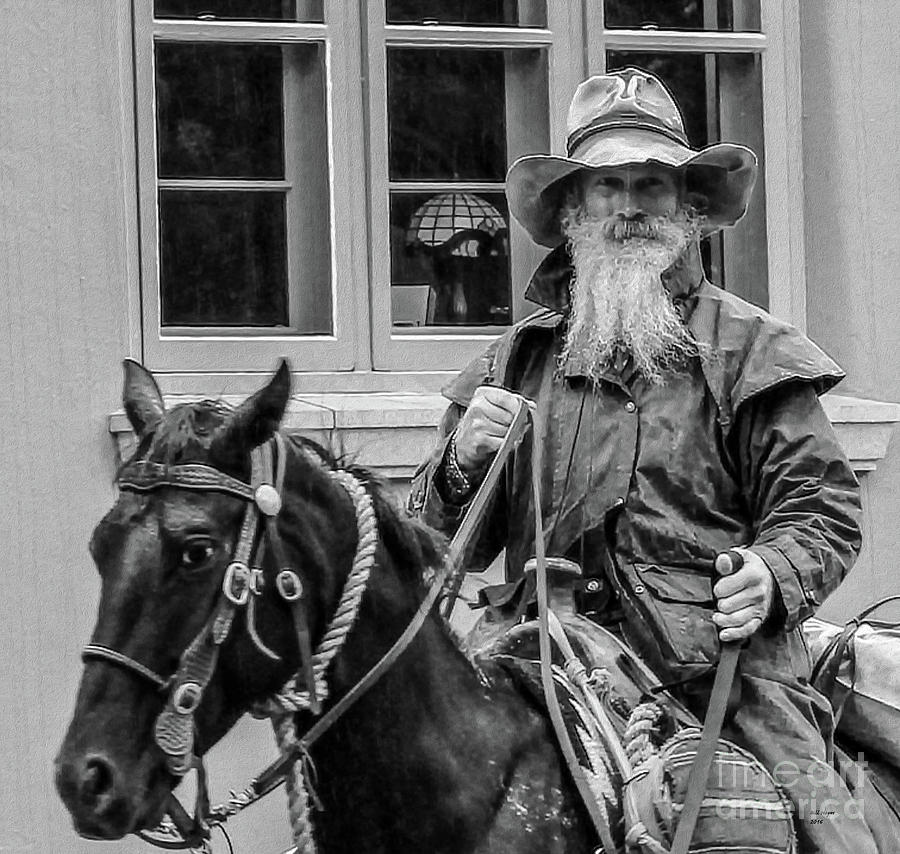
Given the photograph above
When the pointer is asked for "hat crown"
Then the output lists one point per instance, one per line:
(626, 98)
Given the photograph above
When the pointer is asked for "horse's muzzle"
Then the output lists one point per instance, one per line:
(94, 792)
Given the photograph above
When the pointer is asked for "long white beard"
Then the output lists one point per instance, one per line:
(618, 302)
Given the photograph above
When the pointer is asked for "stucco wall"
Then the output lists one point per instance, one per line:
(66, 215)
(851, 124)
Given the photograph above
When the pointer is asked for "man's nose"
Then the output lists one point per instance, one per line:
(629, 206)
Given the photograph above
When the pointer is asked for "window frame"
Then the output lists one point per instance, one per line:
(216, 351)
(365, 353)
(397, 349)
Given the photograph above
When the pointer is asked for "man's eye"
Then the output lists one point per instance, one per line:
(653, 185)
(197, 553)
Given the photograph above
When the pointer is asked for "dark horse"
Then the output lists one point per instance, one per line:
(437, 757)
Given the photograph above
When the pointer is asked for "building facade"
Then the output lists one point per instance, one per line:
(209, 186)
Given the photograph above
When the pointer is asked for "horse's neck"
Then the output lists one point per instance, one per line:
(424, 751)
(424, 759)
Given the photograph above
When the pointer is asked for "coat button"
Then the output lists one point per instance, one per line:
(639, 588)
(592, 585)
(630, 407)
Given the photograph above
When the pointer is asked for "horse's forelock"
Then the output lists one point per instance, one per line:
(187, 431)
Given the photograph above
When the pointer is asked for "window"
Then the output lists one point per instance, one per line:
(246, 202)
(457, 91)
(325, 180)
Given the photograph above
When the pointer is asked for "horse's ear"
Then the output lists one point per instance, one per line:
(142, 398)
(256, 419)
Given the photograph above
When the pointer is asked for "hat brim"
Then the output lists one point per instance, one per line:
(722, 174)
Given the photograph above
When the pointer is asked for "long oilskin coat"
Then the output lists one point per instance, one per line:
(657, 479)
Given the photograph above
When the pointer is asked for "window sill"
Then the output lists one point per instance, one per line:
(392, 433)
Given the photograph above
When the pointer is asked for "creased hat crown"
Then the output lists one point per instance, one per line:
(622, 99)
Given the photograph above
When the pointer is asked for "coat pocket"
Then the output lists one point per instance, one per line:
(676, 605)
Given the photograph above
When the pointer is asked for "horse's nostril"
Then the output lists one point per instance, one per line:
(96, 783)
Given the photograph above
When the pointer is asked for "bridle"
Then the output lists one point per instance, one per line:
(174, 730)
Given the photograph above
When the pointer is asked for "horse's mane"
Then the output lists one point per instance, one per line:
(415, 547)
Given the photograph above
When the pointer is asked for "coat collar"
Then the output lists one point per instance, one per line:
(549, 286)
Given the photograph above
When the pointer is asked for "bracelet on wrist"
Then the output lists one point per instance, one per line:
(457, 480)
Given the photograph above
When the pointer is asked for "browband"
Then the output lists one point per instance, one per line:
(144, 476)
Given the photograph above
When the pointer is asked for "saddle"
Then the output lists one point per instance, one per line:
(634, 741)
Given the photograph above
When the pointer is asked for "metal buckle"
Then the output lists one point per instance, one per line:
(236, 583)
(256, 581)
(289, 585)
(186, 697)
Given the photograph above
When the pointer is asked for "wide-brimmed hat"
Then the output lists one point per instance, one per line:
(623, 118)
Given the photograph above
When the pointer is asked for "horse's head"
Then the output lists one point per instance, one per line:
(163, 552)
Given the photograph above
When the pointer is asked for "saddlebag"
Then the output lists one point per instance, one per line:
(855, 667)
(743, 808)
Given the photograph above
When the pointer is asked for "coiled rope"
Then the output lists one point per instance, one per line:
(285, 703)
(642, 724)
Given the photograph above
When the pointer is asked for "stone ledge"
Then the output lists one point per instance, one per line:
(389, 432)
(864, 427)
(392, 432)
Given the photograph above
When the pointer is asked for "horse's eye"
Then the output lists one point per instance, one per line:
(197, 553)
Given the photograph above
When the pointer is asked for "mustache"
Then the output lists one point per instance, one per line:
(620, 228)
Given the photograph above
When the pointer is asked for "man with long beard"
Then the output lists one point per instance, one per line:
(678, 422)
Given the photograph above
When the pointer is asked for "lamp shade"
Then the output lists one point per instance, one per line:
(454, 217)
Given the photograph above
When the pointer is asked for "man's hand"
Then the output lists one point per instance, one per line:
(743, 598)
(482, 428)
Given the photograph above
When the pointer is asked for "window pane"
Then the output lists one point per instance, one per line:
(509, 13)
(223, 258)
(720, 96)
(219, 110)
(244, 173)
(446, 114)
(309, 11)
(729, 15)
(450, 259)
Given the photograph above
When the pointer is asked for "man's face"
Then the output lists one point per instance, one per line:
(629, 191)
(625, 226)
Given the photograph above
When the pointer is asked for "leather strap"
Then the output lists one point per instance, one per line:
(146, 476)
(598, 819)
(706, 750)
(826, 669)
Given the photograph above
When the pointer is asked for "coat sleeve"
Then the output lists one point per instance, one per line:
(428, 501)
(802, 493)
